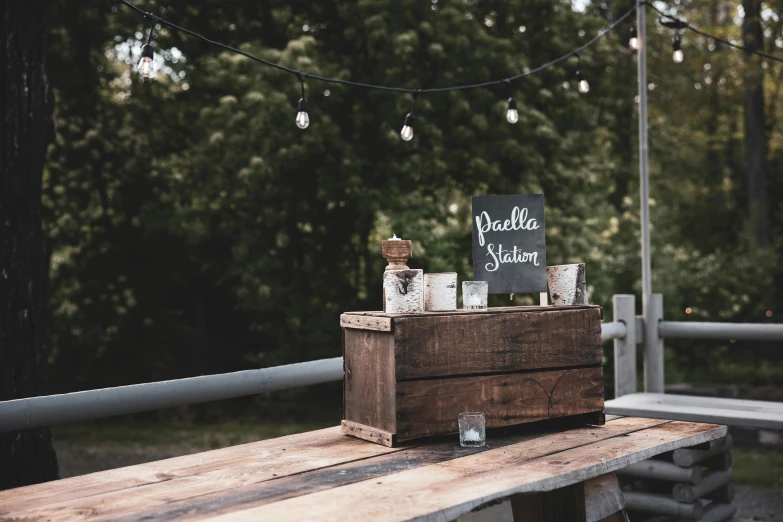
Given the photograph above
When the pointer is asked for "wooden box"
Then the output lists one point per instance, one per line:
(410, 375)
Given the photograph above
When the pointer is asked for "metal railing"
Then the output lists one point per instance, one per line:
(50, 410)
(626, 330)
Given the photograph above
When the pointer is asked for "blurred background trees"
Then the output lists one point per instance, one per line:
(192, 228)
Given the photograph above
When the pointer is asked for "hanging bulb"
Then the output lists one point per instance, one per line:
(302, 118)
(407, 127)
(584, 87)
(633, 40)
(512, 116)
(677, 55)
(145, 64)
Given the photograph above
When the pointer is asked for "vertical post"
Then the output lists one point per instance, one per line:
(653, 343)
(652, 304)
(644, 185)
(624, 310)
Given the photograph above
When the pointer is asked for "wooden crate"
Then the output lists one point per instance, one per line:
(410, 375)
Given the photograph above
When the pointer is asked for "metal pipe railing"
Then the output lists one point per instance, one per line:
(738, 331)
(615, 330)
(49, 410)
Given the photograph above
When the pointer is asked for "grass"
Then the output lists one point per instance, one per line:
(758, 467)
(192, 436)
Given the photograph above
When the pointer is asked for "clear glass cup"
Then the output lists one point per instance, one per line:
(474, 296)
(472, 429)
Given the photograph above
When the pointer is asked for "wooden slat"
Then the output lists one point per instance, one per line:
(447, 490)
(496, 342)
(365, 322)
(369, 469)
(431, 407)
(228, 490)
(247, 463)
(603, 497)
(369, 379)
(369, 433)
(734, 412)
(566, 503)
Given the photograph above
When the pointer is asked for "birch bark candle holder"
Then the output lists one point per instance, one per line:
(567, 284)
(403, 291)
(440, 292)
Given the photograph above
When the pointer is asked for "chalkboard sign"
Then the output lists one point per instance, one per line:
(509, 246)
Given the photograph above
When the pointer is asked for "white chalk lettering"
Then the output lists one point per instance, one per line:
(518, 221)
(502, 256)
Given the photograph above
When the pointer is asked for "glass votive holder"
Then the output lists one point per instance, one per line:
(474, 296)
(472, 429)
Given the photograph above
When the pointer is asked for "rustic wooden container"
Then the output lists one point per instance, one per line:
(410, 375)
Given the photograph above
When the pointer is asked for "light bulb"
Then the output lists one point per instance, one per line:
(633, 41)
(584, 87)
(145, 64)
(512, 116)
(677, 55)
(407, 127)
(302, 118)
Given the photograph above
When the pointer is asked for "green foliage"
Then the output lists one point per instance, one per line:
(194, 229)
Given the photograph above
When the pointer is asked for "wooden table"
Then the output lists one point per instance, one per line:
(324, 475)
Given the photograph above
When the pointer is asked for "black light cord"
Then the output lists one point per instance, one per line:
(677, 23)
(300, 74)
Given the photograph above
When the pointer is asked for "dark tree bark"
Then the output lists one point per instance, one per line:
(26, 127)
(755, 135)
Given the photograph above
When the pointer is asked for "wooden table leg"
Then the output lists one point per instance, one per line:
(562, 504)
(596, 500)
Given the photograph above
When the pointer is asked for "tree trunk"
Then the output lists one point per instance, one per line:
(755, 135)
(26, 457)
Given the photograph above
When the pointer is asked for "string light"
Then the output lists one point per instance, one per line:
(407, 126)
(302, 117)
(145, 64)
(677, 55)
(512, 116)
(583, 86)
(668, 20)
(633, 39)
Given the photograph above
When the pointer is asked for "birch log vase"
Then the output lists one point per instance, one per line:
(403, 291)
(567, 284)
(440, 292)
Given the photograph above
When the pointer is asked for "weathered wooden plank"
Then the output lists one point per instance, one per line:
(431, 407)
(368, 433)
(267, 477)
(366, 322)
(369, 379)
(247, 463)
(447, 490)
(368, 469)
(603, 497)
(734, 412)
(503, 342)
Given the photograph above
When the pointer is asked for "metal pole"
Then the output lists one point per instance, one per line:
(644, 185)
(35, 412)
(652, 310)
